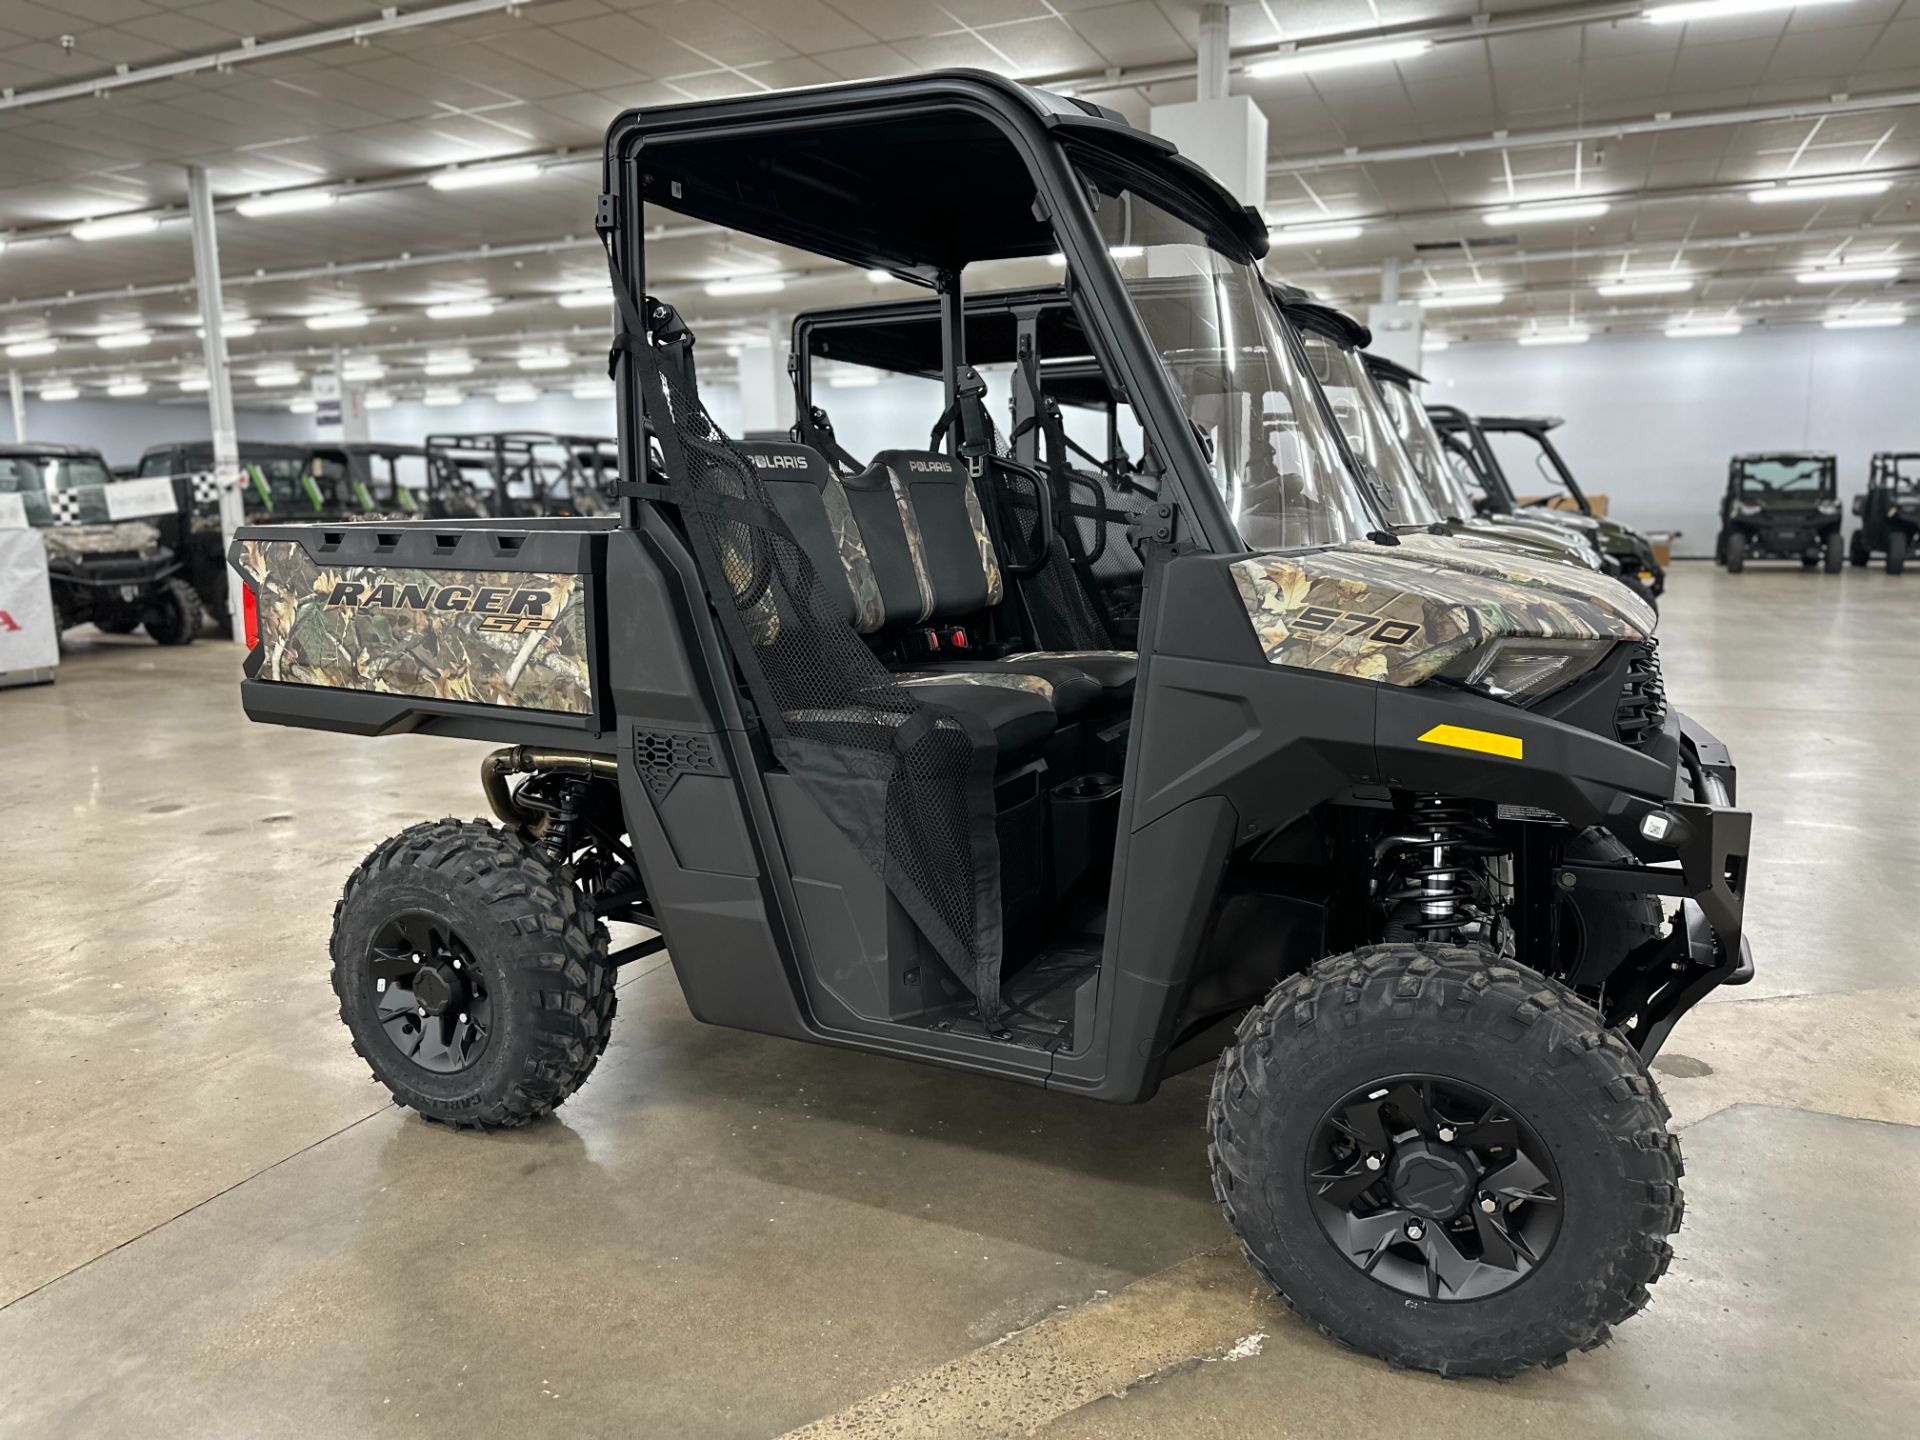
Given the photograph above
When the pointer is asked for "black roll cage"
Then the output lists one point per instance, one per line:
(1537, 427)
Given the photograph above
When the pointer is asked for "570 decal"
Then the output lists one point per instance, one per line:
(1351, 625)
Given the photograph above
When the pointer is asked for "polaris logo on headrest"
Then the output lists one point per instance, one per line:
(935, 467)
(779, 462)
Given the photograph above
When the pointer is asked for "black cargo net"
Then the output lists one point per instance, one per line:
(909, 783)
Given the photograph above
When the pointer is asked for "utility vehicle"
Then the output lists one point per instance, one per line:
(519, 473)
(106, 560)
(1890, 510)
(1781, 505)
(1470, 439)
(1386, 841)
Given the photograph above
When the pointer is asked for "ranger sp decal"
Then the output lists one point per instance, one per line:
(503, 610)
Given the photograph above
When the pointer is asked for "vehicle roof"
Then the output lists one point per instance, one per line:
(875, 196)
(28, 448)
(1785, 455)
(382, 448)
(904, 335)
(249, 449)
(1328, 320)
(1386, 369)
(1520, 422)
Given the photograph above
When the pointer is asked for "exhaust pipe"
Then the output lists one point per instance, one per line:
(525, 760)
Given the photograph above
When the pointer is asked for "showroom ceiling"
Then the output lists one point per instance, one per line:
(1660, 131)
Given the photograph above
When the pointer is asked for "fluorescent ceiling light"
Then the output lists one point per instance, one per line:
(585, 299)
(126, 340)
(747, 285)
(303, 406)
(1837, 189)
(127, 389)
(473, 176)
(287, 202)
(1546, 213)
(1433, 344)
(114, 226)
(276, 379)
(516, 394)
(195, 385)
(1573, 336)
(363, 370)
(56, 393)
(1314, 234)
(338, 320)
(1704, 330)
(557, 360)
(1126, 252)
(593, 390)
(1692, 10)
(460, 310)
(1459, 299)
(1847, 274)
(1865, 320)
(449, 366)
(879, 277)
(1340, 57)
(236, 327)
(377, 400)
(1671, 285)
(441, 397)
(26, 349)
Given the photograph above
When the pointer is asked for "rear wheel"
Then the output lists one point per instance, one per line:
(1443, 1160)
(1736, 552)
(1896, 551)
(173, 615)
(471, 974)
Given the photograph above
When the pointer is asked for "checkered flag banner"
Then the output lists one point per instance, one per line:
(206, 488)
(65, 507)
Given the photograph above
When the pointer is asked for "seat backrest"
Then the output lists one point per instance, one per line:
(961, 564)
(885, 515)
(811, 500)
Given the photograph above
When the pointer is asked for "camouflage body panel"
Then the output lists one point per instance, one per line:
(989, 559)
(78, 542)
(916, 544)
(869, 611)
(1378, 613)
(1473, 556)
(492, 637)
(990, 680)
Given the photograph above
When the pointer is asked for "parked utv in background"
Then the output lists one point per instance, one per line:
(519, 474)
(1781, 505)
(106, 560)
(1471, 438)
(1380, 839)
(1889, 512)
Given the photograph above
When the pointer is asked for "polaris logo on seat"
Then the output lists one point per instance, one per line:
(934, 467)
(779, 462)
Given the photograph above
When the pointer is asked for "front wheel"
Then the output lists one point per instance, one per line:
(173, 615)
(1736, 552)
(1834, 555)
(1443, 1160)
(1896, 552)
(471, 974)
(1857, 553)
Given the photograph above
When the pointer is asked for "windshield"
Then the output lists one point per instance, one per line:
(1527, 457)
(1786, 480)
(1426, 453)
(35, 477)
(1273, 453)
(1371, 435)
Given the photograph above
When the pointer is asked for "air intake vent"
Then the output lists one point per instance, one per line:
(1641, 710)
(662, 757)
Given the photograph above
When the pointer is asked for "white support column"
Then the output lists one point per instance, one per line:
(1397, 324)
(766, 390)
(1225, 134)
(226, 437)
(18, 394)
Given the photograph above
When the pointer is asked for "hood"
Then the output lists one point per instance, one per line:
(79, 541)
(1400, 615)
(1570, 519)
(1546, 540)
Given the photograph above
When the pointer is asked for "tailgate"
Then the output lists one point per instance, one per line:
(374, 627)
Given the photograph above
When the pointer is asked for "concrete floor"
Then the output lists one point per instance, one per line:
(215, 1226)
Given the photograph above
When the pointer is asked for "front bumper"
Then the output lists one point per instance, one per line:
(1699, 858)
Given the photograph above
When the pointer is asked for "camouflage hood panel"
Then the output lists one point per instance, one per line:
(1476, 556)
(494, 637)
(77, 542)
(1381, 613)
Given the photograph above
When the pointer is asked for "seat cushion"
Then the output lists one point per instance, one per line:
(1020, 708)
(1074, 691)
(1112, 670)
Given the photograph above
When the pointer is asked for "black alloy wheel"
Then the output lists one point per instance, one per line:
(430, 999)
(1434, 1188)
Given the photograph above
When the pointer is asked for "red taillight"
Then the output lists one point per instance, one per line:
(250, 615)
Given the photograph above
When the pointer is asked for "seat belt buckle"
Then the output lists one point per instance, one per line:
(956, 639)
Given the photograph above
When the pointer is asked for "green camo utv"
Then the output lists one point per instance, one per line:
(1417, 858)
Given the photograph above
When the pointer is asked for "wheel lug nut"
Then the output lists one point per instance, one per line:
(1489, 1204)
(1374, 1162)
(1415, 1230)
(1446, 1132)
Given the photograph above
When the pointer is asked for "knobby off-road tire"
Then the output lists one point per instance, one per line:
(1834, 555)
(1736, 552)
(517, 923)
(1857, 553)
(1394, 1010)
(1896, 552)
(174, 616)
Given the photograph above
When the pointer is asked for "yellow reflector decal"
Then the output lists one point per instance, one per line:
(1459, 737)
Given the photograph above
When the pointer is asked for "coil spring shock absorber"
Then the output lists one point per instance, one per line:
(1427, 879)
